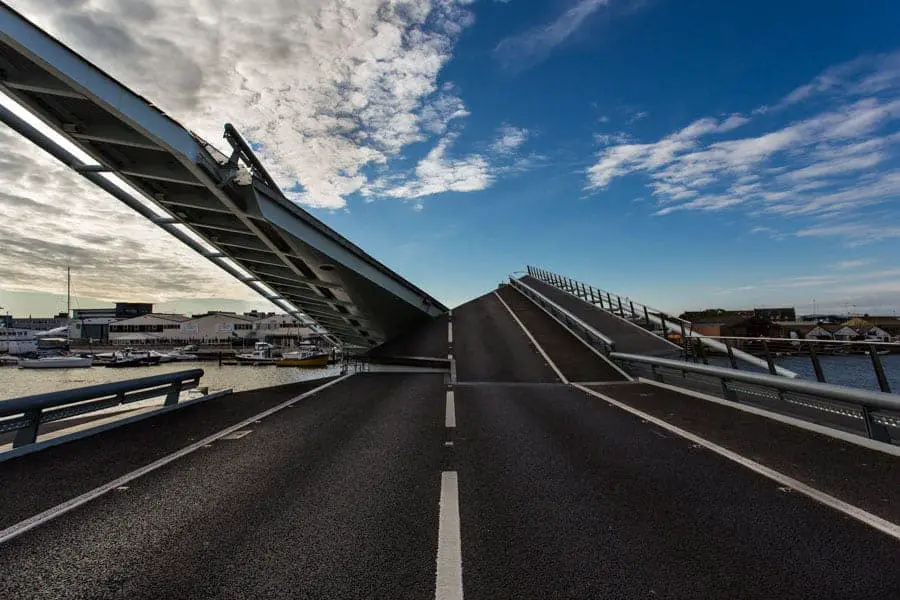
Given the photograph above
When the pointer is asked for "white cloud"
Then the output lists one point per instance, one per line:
(831, 163)
(637, 116)
(864, 75)
(509, 139)
(535, 44)
(845, 265)
(436, 173)
(857, 234)
(115, 253)
(327, 87)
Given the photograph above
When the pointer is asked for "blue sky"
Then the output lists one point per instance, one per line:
(687, 153)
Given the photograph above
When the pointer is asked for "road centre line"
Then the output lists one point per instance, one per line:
(448, 572)
(450, 416)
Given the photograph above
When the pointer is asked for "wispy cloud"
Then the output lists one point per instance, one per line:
(637, 116)
(436, 173)
(845, 265)
(857, 234)
(509, 139)
(526, 49)
(829, 165)
(866, 290)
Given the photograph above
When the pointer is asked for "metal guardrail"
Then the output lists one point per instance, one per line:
(590, 335)
(25, 415)
(652, 319)
(774, 347)
(824, 397)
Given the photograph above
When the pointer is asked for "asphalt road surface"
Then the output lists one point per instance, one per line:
(533, 489)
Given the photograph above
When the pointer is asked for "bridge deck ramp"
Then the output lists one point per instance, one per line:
(335, 497)
(569, 354)
(856, 474)
(490, 346)
(41, 480)
(627, 336)
(561, 491)
(428, 339)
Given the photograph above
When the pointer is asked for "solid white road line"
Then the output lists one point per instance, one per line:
(602, 356)
(450, 418)
(844, 436)
(61, 509)
(448, 576)
(449, 332)
(857, 513)
(533, 341)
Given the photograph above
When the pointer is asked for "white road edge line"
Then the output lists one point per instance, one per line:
(857, 513)
(61, 509)
(533, 341)
(578, 337)
(831, 432)
(450, 418)
(448, 574)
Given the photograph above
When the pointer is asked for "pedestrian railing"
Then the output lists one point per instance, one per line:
(652, 319)
(814, 349)
(25, 415)
(848, 407)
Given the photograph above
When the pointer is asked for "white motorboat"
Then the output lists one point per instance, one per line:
(180, 354)
(55, 362)
(163, 358)
(261, 355)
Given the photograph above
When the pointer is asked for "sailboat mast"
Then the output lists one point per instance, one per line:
(68, 291)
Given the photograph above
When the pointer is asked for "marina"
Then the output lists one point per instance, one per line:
(23, 382)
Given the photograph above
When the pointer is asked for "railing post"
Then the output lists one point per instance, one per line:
(609, 303)
(633, 314)
(656, 374)
(665, 330)
(174, 393)
(729, 393)
(879, 370)
(647, 316)
(817, 366)
(28, 434)
(769, 360)
(700, 352)
(685, 341)
(875, 431)
(621, 310)
(730, 351)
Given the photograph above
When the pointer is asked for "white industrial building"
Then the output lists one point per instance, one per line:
(211, 328)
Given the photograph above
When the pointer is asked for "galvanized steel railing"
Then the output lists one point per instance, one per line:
(879, 411)
(25, 415)
(651, 319)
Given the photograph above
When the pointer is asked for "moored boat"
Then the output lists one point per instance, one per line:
(55, 362)
(131, 358)
(308, 359)
(261, 355)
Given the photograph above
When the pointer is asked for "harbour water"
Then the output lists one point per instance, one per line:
(852, 371)
(15, 382)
